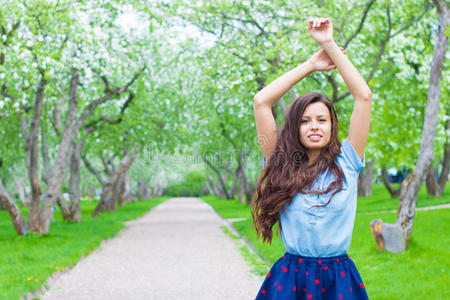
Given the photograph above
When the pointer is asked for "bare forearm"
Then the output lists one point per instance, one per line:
(355, 83)
(277, 88)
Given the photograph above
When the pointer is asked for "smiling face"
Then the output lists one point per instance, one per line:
(315, 128)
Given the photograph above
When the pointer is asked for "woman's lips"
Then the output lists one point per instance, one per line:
(315, 137)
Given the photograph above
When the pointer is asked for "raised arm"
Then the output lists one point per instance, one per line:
(264, 100)
(321, 31)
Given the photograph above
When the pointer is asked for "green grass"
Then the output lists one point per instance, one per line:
(28, 261)
(420, 272)
(228, 209)
(257, 265)
(381, 199)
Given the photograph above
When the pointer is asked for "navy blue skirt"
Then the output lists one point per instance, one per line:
(300, 277)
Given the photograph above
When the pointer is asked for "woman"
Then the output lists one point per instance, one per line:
(309, 185)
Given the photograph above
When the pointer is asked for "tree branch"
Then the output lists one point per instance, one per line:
(92, 169)
(361, 23)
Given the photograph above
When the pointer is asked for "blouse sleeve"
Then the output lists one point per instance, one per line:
(351, 158)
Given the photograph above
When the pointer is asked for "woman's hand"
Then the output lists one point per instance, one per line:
(322, 62)
(321, 30)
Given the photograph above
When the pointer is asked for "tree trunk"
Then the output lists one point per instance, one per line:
(121, 194)
(129, 194)
(431, 182)
(365, 180)
(214, 187)
(407, 205)
(74, 189)
(40, 218)
(245, 189)
(21, 191)
(241, 191)
(235, 183)
(56, 176)
(434, 187)
(221, 181)
(446, 160)
(107, 201)
(91, 191)
(14, 211)
(91, 169)
(143, 191)
(45, 155)
(157, 191)
(445, 166)
(412, 184)
(59, 170)
(250, 194)
(33, 158)
(395, 193)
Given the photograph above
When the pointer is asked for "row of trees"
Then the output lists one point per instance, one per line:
(78, 83)
(89, 86)
(400, 48)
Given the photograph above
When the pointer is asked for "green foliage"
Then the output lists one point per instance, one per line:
(192, 186)
(255, 42)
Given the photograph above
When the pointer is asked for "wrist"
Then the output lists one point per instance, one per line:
(308, 66)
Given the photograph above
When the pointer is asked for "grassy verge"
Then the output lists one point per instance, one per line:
(420, 272)
(28, 261)
(258, 266)
(381, 199)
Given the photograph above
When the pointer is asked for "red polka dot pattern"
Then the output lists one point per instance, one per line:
(282, 280)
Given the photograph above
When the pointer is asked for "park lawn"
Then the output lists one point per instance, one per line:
(381, 200)
(28, 261)
(421, 272)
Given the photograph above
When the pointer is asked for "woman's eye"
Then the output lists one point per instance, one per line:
(304, 121)
(323, 120)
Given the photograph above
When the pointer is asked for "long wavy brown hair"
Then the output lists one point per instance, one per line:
(288, 171)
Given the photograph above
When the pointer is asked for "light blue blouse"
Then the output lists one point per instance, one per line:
(324, 231)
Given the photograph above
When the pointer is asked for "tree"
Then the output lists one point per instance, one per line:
(258, 41)
(59, 38)
(395, 237)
